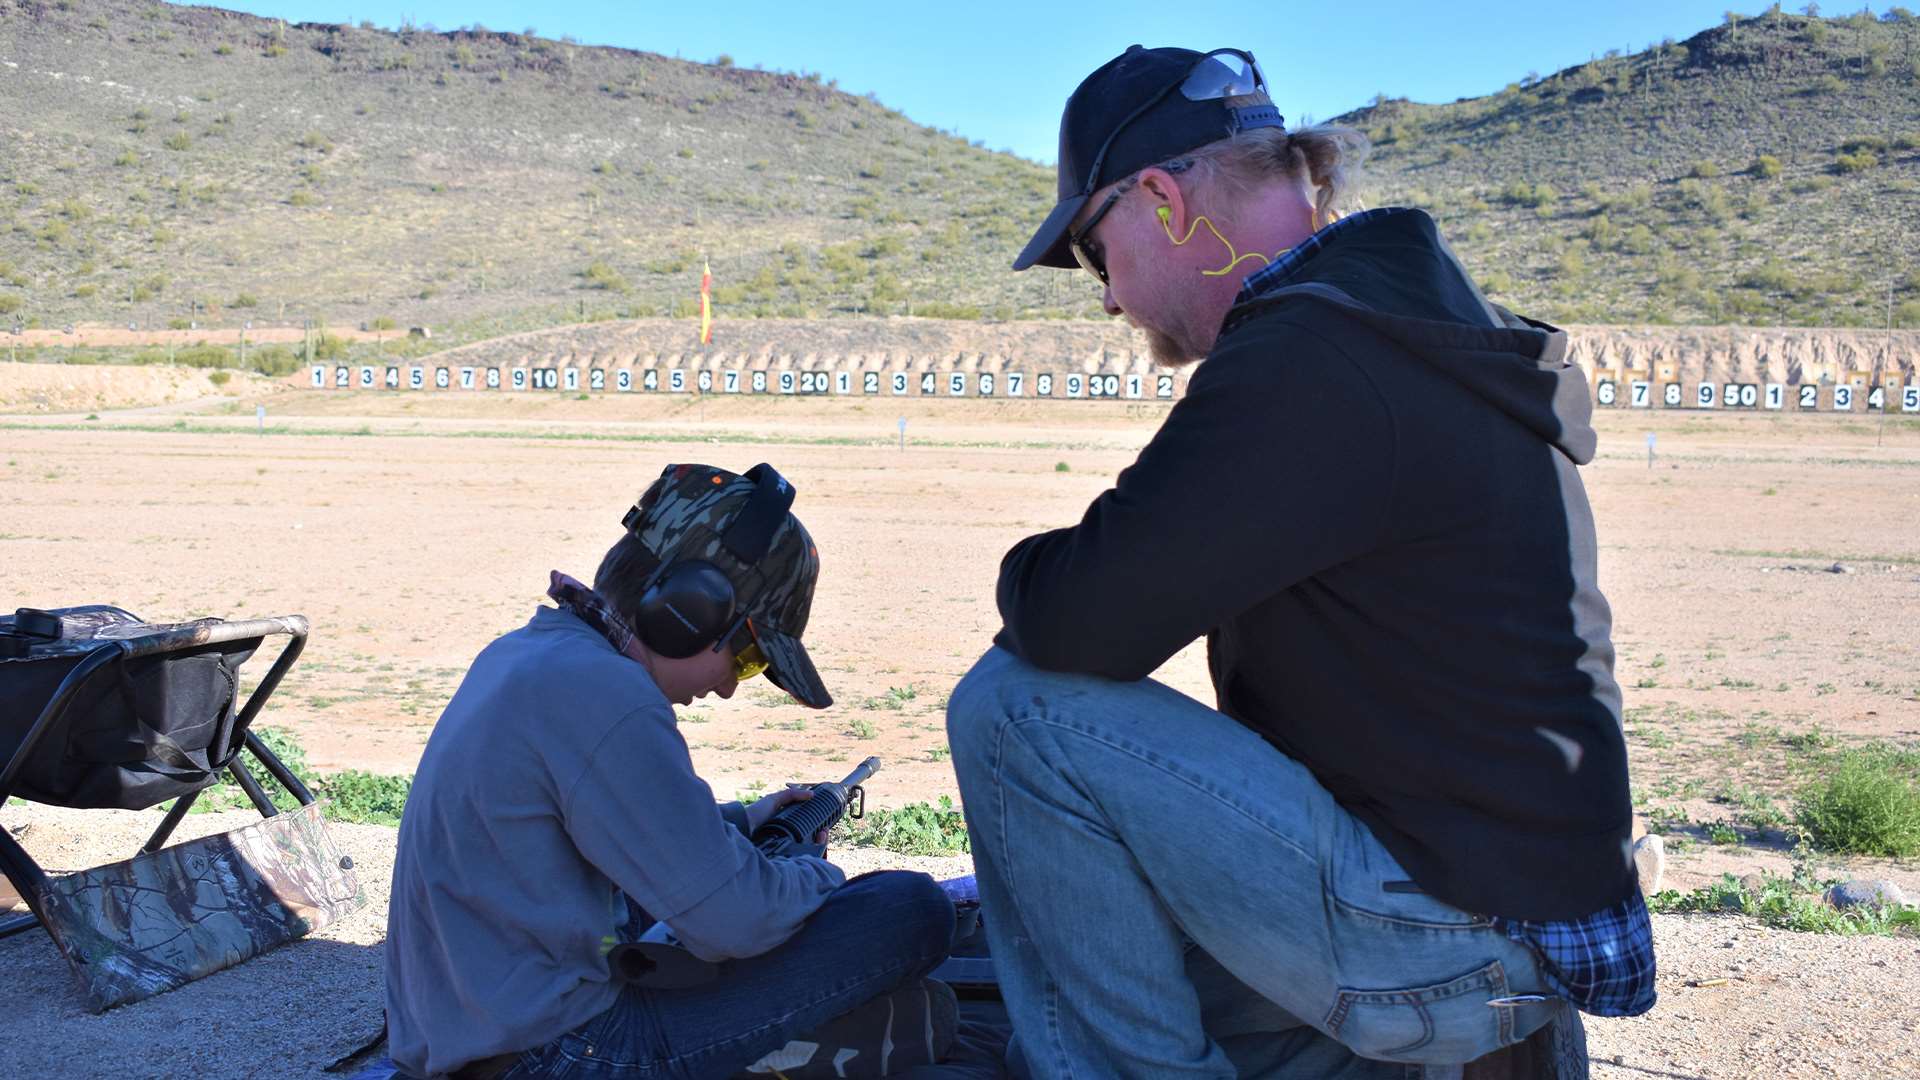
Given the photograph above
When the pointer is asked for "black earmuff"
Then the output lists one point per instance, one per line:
(690, 603)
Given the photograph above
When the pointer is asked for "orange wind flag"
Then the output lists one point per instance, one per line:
(706, 303)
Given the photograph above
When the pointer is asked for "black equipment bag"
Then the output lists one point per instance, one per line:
(138, 731)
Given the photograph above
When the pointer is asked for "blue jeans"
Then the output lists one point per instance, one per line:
(1167, 895)
(872, 935)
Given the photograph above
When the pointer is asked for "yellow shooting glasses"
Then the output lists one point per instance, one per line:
(748, 660)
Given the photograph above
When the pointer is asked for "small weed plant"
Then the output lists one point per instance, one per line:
(1865, 802)
(914, 829)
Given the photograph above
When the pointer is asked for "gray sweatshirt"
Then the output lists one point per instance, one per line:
(555, 781)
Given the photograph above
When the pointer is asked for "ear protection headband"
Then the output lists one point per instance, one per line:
(689, 604)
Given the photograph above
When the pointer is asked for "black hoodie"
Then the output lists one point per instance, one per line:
(1368, 501)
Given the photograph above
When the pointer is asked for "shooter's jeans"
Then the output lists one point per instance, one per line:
(873, 934)
(1167, 895)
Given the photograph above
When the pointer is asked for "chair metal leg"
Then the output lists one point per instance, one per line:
(261, 800)
(167, 824)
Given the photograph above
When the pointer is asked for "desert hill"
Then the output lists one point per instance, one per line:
(187, 163)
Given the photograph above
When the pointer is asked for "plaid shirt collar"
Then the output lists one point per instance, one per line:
(1274, 275)
(590, 608)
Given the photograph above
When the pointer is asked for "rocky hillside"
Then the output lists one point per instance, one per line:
(168, 163)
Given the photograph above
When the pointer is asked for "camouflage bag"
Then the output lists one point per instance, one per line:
(159, 920)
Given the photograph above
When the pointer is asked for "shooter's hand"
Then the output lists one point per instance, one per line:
(767, 805)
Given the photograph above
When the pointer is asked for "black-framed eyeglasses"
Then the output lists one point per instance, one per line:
(1222, 73)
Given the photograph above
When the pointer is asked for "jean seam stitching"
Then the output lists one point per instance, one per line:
(1164, 769)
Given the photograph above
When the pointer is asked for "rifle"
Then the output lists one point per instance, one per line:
(659, 961)
(791, 831)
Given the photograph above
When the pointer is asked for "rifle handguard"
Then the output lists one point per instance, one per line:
(798, 823)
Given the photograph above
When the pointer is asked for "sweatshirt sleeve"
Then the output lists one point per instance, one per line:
(1276, 464)
(640, 814)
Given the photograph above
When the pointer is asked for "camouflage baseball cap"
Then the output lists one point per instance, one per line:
(688, 514)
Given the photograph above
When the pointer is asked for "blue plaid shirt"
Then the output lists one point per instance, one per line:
(1602, 963)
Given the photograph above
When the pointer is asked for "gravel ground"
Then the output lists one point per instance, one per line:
(1792, 1005)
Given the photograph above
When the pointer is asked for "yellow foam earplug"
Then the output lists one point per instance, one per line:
(1166, 214)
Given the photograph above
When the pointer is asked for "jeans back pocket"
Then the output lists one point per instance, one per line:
(1447, 1023)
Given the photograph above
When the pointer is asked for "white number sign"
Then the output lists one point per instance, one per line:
(1776, 395)
(1640, 394)
(1670, 395)
(596, 378)
(1163, 386)
(929, 383)
(956, 384)
(319, 377)
(1074, 384)
(1843, 397)
(1016, 383)
(843, 382)
(899, 382)
(1910, 398)
(1043, 386)
(416, 378)
(493, 378)
(870, 382)
(986, 384)
(519, 378)
(623, 381)
(1604, 393)
(573, 378)
(1810, 396)
(759, 382)
(677, 381)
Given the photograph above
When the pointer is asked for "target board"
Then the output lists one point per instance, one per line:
(1632, 393)
(823, 382)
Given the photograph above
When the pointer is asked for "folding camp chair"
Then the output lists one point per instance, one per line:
(99, 710)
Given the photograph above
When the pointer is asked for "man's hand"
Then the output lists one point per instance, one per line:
(767, 805)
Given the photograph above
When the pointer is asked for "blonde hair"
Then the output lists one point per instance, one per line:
(1328, 156)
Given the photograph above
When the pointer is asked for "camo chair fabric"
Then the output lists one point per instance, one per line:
(156, 921)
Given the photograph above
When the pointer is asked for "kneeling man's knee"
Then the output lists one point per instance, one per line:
(975, 712)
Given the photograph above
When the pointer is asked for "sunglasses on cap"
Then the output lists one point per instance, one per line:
(1222, 73)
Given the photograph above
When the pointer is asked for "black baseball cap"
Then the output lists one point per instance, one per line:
(1126, 116)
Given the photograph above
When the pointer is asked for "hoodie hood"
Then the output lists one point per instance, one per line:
(1390, 269)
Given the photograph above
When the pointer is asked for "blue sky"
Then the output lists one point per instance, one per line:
(999, 72)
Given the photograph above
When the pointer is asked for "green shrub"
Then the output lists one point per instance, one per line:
(915, 829)
(1867, 803)
(245, 300)
(1785, 904)
(302, 198)
(1705, 170)
(368, 798)
(601, 275)
(219, 377)
(1855, 162)
(1765, 167)
(179, 140)
(9, 303)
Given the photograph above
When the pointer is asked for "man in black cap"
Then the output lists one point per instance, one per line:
(1401, 837)
(556, 814)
